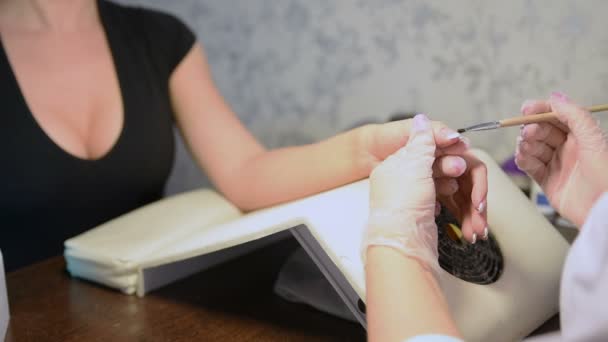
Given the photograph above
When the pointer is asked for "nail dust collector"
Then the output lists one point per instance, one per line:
(500, 289)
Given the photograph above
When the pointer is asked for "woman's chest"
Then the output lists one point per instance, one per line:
(60, 103)
(70, 85)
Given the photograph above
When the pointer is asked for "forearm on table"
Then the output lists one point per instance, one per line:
(285, 174)
(403, 298)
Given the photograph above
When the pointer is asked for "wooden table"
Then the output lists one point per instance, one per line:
(231, 302)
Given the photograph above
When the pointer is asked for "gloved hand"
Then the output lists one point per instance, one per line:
(460, 178)
(403, 200)
(568, 159)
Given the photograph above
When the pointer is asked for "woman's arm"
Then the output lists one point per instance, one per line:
(252, 177)
(403, 298)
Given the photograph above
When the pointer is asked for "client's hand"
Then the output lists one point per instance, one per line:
(568, 159)
(464, 194)
(403, 199)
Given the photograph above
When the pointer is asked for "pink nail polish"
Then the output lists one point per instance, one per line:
(525, 106)
(481, 207)
(420, 122)
(453, 184)
(459, 165)
(449, 133)
(465, 141)
(559, 96)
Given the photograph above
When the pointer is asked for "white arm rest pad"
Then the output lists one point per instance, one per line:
(112, 252)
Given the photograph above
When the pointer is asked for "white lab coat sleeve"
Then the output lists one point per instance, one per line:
(584, 287)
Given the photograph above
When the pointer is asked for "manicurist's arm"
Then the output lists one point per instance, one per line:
(399, 248)
(403, 298)
(568, 159)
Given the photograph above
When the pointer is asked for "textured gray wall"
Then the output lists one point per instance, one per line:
(301, 70)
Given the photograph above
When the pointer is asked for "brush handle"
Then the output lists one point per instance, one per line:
(543, 117)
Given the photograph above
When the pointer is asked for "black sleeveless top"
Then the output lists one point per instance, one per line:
(48, 195)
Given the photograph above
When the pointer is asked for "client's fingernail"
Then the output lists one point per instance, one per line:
(459, 165)
(420, 122)
(449, 133)
(453, 184)
(559, 96)
(474, 239)
(485, 233)
(465, 141)
(481, 207)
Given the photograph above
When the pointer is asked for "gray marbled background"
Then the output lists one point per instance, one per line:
(296, 71)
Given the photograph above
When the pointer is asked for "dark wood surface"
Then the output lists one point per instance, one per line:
(231, 302)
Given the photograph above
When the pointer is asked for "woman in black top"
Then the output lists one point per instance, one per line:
(90, 92)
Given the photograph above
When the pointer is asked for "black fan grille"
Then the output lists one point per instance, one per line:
(481, 263)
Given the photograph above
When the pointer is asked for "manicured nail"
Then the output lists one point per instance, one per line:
(525, 106)
(474, 239)
(485, 233)
(459, 165)
(559, 96)
(453, 184)
(449, 133)
(420, 122)
(481, 207)
(465, 141)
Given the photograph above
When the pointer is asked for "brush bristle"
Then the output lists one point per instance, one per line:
(461, 130)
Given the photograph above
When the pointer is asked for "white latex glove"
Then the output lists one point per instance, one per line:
(403, 199)
(568, 159)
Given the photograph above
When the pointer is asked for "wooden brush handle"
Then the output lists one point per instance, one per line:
(528, 119)
(544, 117)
